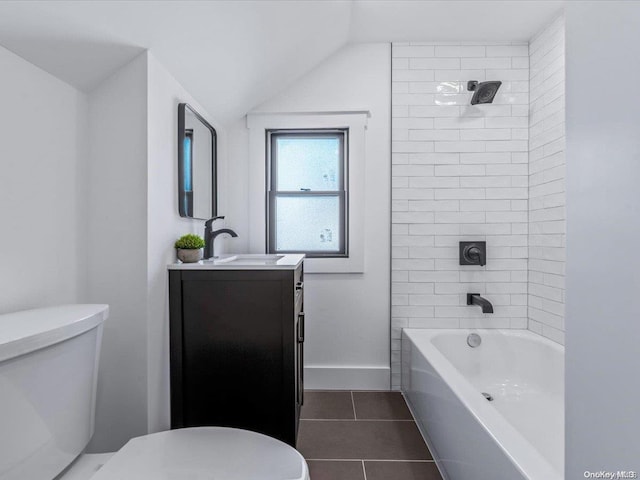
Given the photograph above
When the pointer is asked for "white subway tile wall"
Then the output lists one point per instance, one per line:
(546, 183)
(460, 172)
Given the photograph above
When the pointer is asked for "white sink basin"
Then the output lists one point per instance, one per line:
(245, 261)
(248, 259)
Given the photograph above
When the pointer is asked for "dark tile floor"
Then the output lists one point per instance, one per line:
(358, 435)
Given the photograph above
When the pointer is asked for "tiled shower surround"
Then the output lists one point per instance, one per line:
(547, 224)
(460, 172)
(463, 172)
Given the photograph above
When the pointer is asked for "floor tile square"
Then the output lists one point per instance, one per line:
(331, 470)
(381, 406)
(374, 440)
(327, 405)
(401, 471)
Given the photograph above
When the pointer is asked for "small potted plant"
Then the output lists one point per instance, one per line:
(189, 248)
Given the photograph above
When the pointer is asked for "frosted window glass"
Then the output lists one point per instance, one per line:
(308, 223)
(308, 163)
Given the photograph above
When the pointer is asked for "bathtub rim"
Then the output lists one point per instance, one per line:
(526, 458)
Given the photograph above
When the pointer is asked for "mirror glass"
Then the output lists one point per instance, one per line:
(196, 165)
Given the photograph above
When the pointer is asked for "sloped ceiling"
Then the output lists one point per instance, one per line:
(449, 20)
(233, 55)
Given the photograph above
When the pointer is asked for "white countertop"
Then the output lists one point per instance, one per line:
(244, 261)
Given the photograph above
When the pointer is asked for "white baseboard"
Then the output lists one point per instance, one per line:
(346, 378)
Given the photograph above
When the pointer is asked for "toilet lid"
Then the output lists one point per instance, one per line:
(205, 453)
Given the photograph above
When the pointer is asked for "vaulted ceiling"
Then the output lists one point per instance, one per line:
(232, 55)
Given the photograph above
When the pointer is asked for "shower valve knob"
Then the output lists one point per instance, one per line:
(473, 253)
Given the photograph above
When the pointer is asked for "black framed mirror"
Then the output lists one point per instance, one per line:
(197, 192)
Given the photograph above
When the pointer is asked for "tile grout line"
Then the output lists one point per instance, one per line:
(367, 460)
(353, 404)
(363, 460)
(359, 420)
(333, 459)
(359, 391)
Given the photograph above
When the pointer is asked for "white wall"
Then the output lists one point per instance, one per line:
(76, 198)
(133, 224)
(347, 340)
(460, 173)
(133, 205)
(42, 150)
(117, 259)
(236, 208)
(547, 199)
(164, 224)
(603, 234)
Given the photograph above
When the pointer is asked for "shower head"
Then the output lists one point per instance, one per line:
(483, 91)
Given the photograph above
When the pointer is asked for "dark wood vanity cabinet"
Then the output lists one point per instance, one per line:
(236, 342)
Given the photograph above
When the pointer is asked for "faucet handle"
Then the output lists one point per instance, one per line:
(473, 253)
(209, 222)
(477, 255)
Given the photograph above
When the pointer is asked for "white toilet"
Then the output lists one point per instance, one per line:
(48, 374)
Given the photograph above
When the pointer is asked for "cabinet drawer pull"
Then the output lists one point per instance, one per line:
(299, 285)
(301, 327)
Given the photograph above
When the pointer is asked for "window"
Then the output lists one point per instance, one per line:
(187, 173)
(263, 188)
(307, 198)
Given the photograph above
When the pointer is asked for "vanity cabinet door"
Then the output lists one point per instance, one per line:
(300, 332)
(300, 359)
(234, 351)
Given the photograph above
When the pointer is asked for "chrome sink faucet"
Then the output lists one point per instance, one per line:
(210, 236)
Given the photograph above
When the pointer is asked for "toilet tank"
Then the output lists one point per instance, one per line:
(48, 373)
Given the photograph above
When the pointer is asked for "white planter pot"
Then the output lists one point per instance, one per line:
(190, 255)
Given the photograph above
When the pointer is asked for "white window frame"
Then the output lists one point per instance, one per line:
(356, 122)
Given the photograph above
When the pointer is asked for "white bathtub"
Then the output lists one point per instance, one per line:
(518, 435)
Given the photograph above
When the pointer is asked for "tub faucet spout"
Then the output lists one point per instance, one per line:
(476, 299)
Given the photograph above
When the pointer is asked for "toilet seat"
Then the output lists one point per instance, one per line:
(205, 453)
